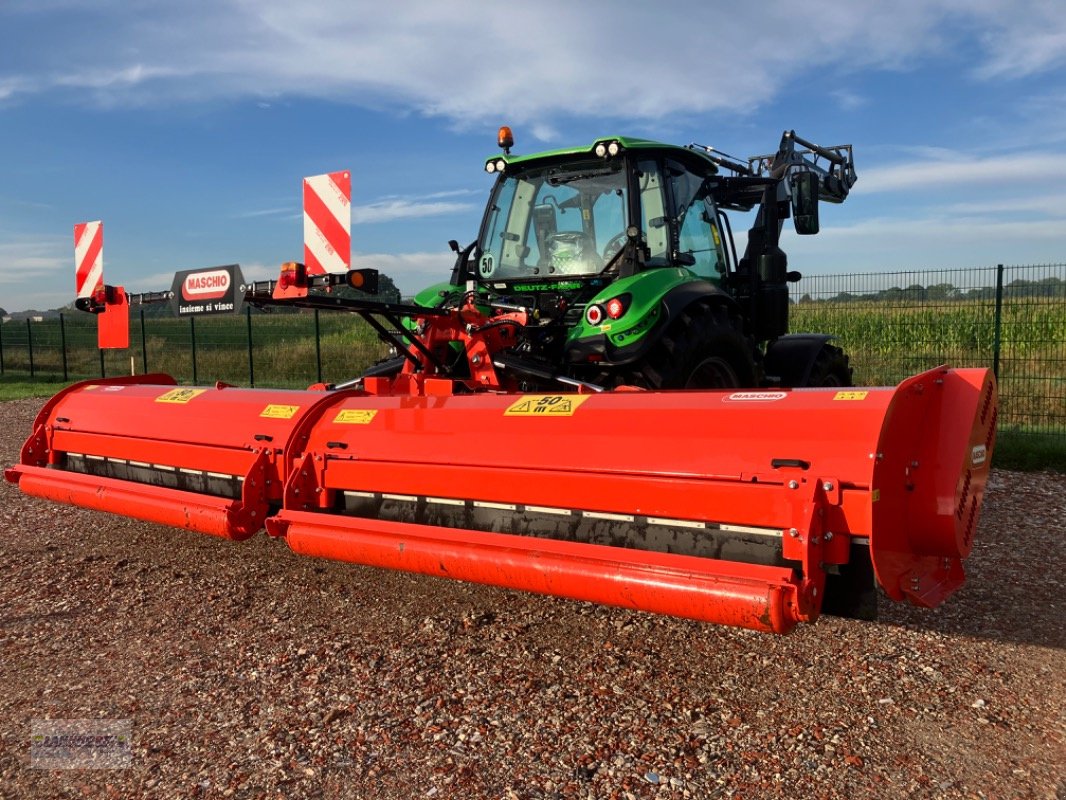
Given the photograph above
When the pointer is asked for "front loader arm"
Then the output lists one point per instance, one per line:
(834, 166)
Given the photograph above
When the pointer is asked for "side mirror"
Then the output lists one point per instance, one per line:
(805, 202)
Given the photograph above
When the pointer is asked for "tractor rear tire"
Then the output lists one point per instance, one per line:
(704, 348)
(830, 368)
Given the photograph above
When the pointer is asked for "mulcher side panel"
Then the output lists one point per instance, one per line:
(933, 460)
(204, 459)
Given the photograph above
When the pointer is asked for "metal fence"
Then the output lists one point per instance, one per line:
(1011, 318)
(892, 325)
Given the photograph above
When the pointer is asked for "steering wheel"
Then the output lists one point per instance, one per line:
(616, 243)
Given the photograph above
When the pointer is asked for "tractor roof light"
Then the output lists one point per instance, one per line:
(607, 149)
(497, 165)
(505, 139)
(490, 166)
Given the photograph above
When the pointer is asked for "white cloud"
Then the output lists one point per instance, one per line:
(932, 240)
(268, 212)
(1023, 38)
(960, 169)
(1053, 205)
(848, 100)
(23, 260)
(411, 272)
(398, 208)
(114, 78)
(473, 62)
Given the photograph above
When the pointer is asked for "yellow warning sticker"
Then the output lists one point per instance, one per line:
(545, 405)
(179, 395)
(279, 412)
(850, 395)
(876, 495)
(355, 416)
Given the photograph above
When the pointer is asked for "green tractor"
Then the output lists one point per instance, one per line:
(623, 254)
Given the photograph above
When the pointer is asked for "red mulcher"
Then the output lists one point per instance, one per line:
(748, 508)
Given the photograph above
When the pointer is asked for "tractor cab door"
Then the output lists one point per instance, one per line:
(697, 239)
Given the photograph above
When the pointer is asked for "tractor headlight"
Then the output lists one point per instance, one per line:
(601, 150)
(614, 148)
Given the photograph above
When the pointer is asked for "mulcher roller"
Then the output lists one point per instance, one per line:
(758, 509)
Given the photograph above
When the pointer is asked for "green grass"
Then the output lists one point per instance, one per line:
(1024, 450)
(15, 388)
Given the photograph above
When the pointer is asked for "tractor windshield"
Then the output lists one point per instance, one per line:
(554, 221)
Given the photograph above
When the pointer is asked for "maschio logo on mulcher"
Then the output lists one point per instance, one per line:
(756, 397)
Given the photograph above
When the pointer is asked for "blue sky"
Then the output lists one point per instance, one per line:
(188, 126)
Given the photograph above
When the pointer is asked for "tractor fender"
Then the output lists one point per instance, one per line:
(791, 357)
(672, 303)
(681, 297)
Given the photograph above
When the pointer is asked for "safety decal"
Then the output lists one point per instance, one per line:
(978, 455)
(545, 405)
(850, 395)
(179, 395)
(875, 495)
(355, 416)
(273, 411)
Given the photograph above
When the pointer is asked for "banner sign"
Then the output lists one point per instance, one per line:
(214, 290)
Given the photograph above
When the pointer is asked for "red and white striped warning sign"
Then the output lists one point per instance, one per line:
(328, 223)
(88, 257)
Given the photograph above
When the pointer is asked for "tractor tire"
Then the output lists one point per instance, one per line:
(704, 348)
(830, 368)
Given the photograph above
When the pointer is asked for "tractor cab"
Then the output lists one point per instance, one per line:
(570, 214)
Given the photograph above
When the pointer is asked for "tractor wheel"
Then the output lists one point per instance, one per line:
(830, 368)
(703, 348)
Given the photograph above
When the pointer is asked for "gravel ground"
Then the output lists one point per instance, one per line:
(247, 671)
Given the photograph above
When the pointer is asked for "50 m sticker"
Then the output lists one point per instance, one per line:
(355, 416)
(545, 405)
(274, 411)
(179, 395)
